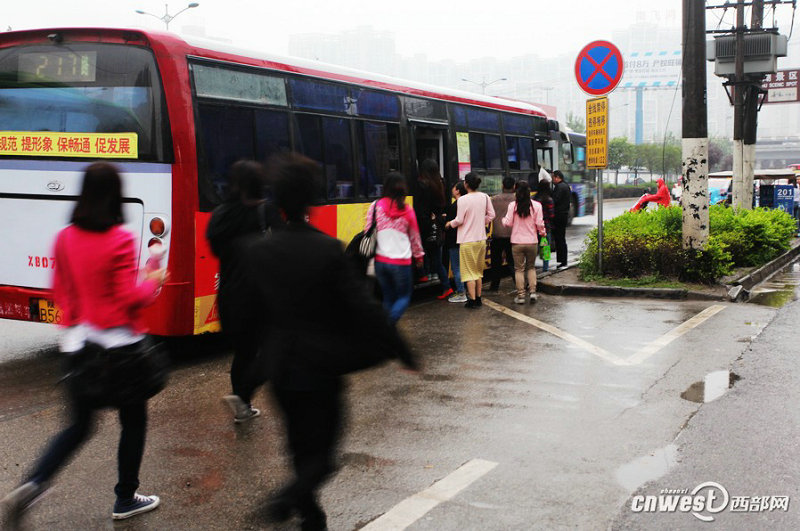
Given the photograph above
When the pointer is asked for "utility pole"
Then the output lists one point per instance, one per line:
(740, 161)
(751, 86)
(694, 198)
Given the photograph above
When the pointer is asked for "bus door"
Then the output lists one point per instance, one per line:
(429, 143)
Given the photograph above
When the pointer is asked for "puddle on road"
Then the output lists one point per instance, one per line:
(782, 288)
(713, 386)
(647, 468)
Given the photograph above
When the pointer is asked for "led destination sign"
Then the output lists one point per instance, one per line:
(59, 67)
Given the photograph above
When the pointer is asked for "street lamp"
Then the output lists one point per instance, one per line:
(483, 84)
(167, 18)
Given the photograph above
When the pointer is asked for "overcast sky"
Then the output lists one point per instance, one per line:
(459, 30)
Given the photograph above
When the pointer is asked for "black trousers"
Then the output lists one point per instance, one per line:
(313, 422)
(560, 237)
(133, 419)
(245, 338)
(497, 247)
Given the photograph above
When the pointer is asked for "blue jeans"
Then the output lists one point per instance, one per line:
(397, 284)
(455, 265)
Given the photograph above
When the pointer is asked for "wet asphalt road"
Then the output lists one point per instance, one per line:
(560, 421)
(547, 393)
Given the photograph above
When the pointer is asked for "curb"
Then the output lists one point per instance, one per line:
(617, 291)
(752, 279)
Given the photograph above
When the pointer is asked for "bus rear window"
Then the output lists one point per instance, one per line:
(85, 88)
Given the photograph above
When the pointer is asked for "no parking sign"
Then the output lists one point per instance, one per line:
(598, 68)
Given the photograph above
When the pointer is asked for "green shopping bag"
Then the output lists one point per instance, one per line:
(544, 249)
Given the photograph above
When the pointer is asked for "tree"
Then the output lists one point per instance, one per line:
(720, 154)
(576, 123)
(649, 156)
(673, 160)
(619, 155)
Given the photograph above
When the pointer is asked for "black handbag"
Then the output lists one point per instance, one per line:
(115, 377)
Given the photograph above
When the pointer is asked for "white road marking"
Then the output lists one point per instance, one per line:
(671, 336)
(597, 351)
(415, 507)
(641, 355)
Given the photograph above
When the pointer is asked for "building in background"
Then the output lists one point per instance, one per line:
(550, 81)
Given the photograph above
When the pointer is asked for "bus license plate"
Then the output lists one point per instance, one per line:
(46, 311)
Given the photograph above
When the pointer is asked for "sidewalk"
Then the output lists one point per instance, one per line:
(568, 282)
(747, 441)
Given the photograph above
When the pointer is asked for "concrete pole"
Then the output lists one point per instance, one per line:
(695, 127)
(750, 120)
(740, 160)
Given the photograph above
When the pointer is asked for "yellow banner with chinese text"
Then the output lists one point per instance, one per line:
(597, 133)
(50, 144)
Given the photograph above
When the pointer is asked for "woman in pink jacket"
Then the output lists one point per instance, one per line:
(398, 243)
(527, 224)
(475, 212)
(95, 285)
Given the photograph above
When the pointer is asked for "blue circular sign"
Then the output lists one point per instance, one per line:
(598, 68)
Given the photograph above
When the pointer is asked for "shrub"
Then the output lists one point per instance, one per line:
(649, 244)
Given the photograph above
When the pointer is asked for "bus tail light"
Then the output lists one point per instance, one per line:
(158, 227)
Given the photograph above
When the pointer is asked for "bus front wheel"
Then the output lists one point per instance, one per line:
(573, 209)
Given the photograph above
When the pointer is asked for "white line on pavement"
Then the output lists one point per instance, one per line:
(415, 507)
(671, 336)
(597, 351)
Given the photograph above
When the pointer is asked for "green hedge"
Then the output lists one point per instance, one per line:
(648, 243)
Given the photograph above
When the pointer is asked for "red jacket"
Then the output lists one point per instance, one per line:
(95, 279)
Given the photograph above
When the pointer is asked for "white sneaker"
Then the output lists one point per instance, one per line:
(519, 299)
(534, 296)
(457, 297)
(242, 412)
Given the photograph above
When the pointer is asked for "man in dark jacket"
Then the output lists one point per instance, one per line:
(245, 213)
(501, 235)
(562, 199)
(321, 324)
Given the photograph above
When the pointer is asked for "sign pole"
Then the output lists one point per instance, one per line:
(598, 70)
(600, 221)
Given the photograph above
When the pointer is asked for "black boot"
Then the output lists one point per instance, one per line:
(311, 514)
(478, 302)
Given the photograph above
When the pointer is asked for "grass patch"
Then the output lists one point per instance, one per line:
(649, 281)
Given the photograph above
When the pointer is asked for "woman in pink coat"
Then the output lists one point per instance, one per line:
(475, 212)
(527, 225)
(96, 286)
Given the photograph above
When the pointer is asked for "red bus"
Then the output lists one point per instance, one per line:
(175, 113)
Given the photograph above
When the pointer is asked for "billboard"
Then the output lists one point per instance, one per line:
(781, 86)
(660, 69)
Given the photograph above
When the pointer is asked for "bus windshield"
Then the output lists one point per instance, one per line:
(85, 88)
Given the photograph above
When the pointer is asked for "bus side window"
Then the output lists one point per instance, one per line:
(378, 154)
(327, 141)
(272, 133)
(477, 152)
(493, 157)
(512, 152)
(309, 142)
(227, 136)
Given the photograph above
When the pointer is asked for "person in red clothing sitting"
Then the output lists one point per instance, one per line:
(661, 197)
